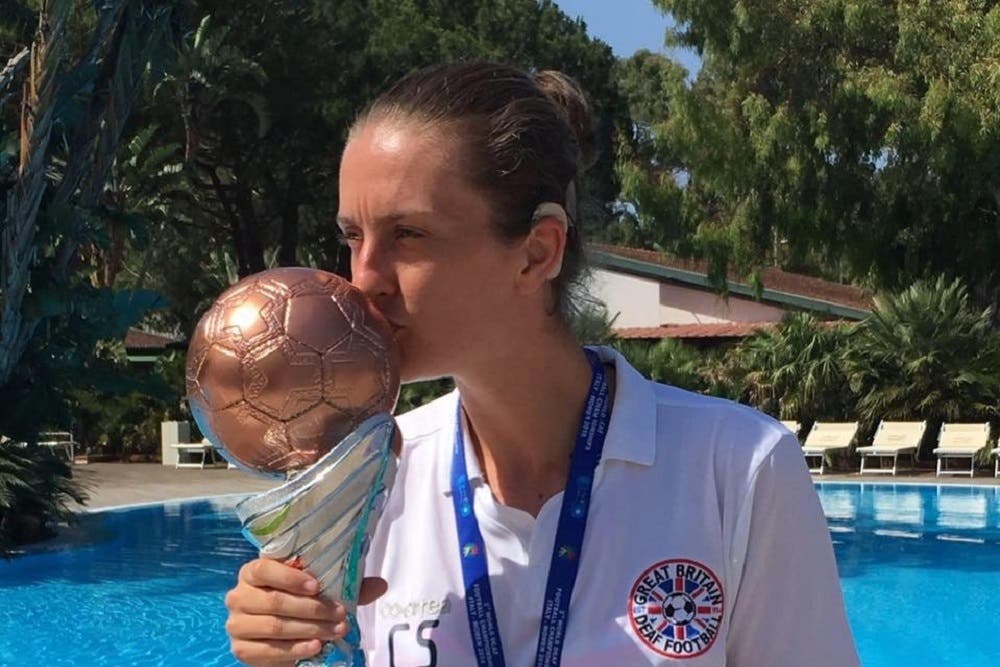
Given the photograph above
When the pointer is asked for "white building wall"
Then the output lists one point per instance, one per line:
(644, 302)
(634, 299)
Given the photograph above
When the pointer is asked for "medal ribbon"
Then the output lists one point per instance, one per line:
(568, 546)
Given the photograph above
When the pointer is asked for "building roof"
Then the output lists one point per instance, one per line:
(136, 339)
(707, 330)
(780, 287)
(712, 330)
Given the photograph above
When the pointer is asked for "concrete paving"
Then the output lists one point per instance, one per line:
(983, 477)
(114, 484)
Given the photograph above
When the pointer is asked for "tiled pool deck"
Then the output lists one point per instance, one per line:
(113, 484)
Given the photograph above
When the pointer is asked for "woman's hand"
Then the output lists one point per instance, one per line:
(276, 616)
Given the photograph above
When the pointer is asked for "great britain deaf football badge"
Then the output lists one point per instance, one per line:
(676, 607)
(291, 373)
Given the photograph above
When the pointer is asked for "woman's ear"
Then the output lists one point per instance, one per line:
(543, 251)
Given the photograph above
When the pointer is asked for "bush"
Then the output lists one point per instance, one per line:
(35, 489)
(418, 393)
(794, 370)
(667, 361)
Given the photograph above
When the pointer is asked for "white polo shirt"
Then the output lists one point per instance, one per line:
(705, 545)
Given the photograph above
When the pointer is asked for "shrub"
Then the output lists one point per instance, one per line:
(668, 361)
(35, 490)
(794, 370)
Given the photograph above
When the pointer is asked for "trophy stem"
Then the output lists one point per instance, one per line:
(321, 521)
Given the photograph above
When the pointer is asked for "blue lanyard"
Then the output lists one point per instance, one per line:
(569, 536)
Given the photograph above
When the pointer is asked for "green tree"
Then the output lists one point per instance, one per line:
(258, 190)
(837, 136)
(85, 68)
(650, 207)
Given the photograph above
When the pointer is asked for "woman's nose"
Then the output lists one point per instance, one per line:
(372, 271)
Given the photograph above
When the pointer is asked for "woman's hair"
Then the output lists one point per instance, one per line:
(526, 139)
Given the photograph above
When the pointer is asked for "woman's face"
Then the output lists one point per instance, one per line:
(423, 250)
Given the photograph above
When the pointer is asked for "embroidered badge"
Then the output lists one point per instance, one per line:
(675, 608)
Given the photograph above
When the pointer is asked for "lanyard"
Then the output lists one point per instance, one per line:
(569, 536)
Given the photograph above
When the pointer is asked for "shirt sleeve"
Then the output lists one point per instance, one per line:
(789, 609)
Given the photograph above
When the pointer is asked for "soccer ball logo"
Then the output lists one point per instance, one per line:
(679, 609)
(285, 364)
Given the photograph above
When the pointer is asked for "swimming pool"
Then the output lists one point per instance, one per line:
(920, 568)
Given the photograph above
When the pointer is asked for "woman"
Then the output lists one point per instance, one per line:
(688, 530)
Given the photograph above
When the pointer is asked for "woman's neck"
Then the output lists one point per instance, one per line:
(524, 412)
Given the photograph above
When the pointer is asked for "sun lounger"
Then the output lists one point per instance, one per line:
(961, 441)
(825, 438)
(996, 468)
(792, 426)
(893, 439)
(199, 453)
(58, 441)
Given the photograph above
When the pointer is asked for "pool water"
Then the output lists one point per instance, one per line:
(920, 567)
(920, 570)
(148, 592)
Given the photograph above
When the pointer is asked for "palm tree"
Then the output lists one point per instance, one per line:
(208, 72)
(217, 91)
(143, 178)
(35, 490)
(794, 370)
(926, 354)
(74, 113)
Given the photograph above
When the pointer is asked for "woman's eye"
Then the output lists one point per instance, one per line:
(406, 233)
(348, 237)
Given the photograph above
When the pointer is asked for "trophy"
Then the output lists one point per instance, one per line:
(291, 374)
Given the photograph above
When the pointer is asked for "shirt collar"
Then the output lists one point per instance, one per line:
(632, 431)
(631, 434)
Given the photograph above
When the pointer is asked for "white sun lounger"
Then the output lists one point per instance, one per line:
(58, 441)
(893, 439)
(792, 426)
(825, 438)
(199, 452)
(960, 441)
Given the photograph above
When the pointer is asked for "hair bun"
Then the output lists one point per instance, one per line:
(569, 97)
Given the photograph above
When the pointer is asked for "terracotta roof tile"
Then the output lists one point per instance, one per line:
(772, 278)
(137, 339)
(708, 330)
(713, 330)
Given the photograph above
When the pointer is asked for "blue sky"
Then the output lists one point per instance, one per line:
(627, 25)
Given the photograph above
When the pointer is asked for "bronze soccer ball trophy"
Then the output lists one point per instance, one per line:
(292, 373)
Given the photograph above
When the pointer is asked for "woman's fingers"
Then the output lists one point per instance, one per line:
(267, 573)
(259, 627)
(277, 618)
(247, 600)
(273, 653)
